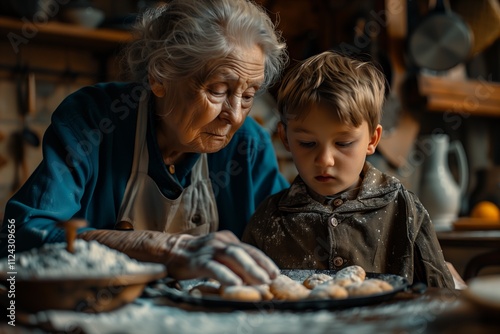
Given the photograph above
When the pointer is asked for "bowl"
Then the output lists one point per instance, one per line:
(89, 295)
(89, 17)
(484, 291)
(78, 275)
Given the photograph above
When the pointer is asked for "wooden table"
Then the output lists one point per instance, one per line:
(435, 311)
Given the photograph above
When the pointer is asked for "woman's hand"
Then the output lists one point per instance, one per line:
(219, 255)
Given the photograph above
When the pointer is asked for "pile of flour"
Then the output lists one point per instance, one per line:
(89, 260)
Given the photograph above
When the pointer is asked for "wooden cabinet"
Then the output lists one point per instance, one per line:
(21, 32)
(59, 49)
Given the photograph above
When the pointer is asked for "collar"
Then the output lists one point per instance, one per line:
(377, 190)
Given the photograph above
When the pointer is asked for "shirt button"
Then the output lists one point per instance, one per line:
(338, 202)
(338, 261)
(333, 221)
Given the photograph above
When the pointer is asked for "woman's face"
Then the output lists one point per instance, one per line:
(206, 121)
(328, 154)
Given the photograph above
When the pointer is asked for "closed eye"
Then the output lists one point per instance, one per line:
(307, 144)
(344, 144)
(218, 93)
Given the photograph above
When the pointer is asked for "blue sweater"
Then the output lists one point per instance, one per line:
(87, 159)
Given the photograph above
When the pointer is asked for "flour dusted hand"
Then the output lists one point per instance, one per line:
(222, 256)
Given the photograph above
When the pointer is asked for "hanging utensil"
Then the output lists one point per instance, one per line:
(18, 139)
(26, 96)
(441, 40)
(30, 136)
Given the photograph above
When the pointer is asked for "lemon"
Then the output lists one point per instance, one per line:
(486, 210)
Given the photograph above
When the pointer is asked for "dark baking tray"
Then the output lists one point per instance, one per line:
(181, 295)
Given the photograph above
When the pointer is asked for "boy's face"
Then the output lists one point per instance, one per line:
(328, 154)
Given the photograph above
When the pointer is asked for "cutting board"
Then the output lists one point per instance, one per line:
(476, 224)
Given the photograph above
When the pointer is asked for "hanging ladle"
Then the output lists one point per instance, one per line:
(15, 146)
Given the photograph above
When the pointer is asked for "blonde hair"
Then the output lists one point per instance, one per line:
(353, 89)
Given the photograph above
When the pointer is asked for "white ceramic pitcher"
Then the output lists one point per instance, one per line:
(439, 192)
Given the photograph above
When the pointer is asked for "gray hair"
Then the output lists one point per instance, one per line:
(178, 39)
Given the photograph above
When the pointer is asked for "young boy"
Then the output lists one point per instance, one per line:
(340, 210)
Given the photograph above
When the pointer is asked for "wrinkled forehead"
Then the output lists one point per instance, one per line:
(242, 64)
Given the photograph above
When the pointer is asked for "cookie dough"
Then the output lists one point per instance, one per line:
(350, 275)
(316, 279)
(285, 288)
(209, 288)
(328, 290)
(348, 282)
(244, 293)
(265, 291)
(385, 286)
(365, 288)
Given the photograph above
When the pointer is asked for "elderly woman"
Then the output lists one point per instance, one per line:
(156, 165)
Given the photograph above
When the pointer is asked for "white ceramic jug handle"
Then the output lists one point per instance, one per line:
(463, 169)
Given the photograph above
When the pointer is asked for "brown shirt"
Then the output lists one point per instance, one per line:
(380, 226)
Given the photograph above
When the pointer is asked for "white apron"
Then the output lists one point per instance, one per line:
(144, 207)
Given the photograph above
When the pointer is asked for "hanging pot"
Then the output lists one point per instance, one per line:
(441, 40)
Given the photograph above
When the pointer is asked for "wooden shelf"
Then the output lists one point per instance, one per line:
(474, 97)
(63, 34)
